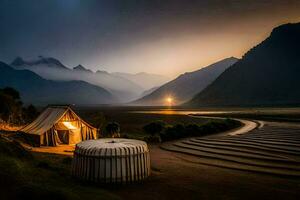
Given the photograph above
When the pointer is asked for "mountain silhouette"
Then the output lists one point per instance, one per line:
(268, 74)
(52, 69)
(146, 80)
(82, 69)
(37, 90)
(187, 85)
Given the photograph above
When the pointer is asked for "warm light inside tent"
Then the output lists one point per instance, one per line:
(69, 125)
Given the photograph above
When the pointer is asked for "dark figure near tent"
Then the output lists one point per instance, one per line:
(113, 130)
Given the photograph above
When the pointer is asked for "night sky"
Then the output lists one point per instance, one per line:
(158, 36)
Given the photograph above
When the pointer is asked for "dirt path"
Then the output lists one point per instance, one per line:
(247, 126)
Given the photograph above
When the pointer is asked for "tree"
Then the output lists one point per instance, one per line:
(10, 105)
(11, 92)
(30, 113)
(113, 129)
(11, 110)
(154, 128)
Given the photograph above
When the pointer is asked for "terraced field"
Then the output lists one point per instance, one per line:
(272, 149)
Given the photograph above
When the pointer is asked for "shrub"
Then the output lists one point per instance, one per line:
(154, 128)
(113, 129)
(10, 106)
(11, 110)
(152, 139)
(193, 130)
(29, 113)
(173, 132)
(125, 136)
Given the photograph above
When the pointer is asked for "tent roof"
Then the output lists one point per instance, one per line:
(48, 118)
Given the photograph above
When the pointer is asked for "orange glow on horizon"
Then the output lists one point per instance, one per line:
(169, 100)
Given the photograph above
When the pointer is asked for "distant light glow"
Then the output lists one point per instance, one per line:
(169, 101)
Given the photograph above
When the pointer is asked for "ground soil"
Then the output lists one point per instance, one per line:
(175, 178)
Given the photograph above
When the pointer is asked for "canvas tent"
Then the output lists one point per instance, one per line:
(59, 125)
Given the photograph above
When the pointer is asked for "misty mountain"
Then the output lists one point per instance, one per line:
(80, 68)
(145, 80)
(52, 69)
(37, 90)
(49, 62)
(187, 85)
(147, 92)
(268, 74)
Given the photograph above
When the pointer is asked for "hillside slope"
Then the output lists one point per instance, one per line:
(146, 80)
(53, 69)
(267, 75)
(35, 89)
(187, 85)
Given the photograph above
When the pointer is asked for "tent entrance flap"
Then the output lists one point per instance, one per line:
(63, 136)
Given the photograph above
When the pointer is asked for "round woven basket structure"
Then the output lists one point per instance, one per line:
(111, 160)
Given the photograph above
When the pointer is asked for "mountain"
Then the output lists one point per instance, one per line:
(49, 62)
(52, 69)
(81, 68)
(187, 85)
(35, 89)
(145, 80)
(268, 74)
(147, 92)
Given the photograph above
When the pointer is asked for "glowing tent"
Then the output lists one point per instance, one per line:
(59, 125)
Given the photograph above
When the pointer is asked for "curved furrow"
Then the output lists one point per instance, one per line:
(274, 135)
(272, 132)
(290, 150)
(265, 142)
(282, 139)
(255, 151)
(263, 133)
(248, 146)
(232, 164)
(271, 149)
(244, 158)
(285, 130)
(288, 141)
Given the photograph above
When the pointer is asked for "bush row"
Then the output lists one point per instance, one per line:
(161, 132)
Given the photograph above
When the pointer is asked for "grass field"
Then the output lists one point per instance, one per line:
(27, 175)
(132, 123)
(47, 176)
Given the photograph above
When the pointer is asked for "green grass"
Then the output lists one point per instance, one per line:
(40, 176)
